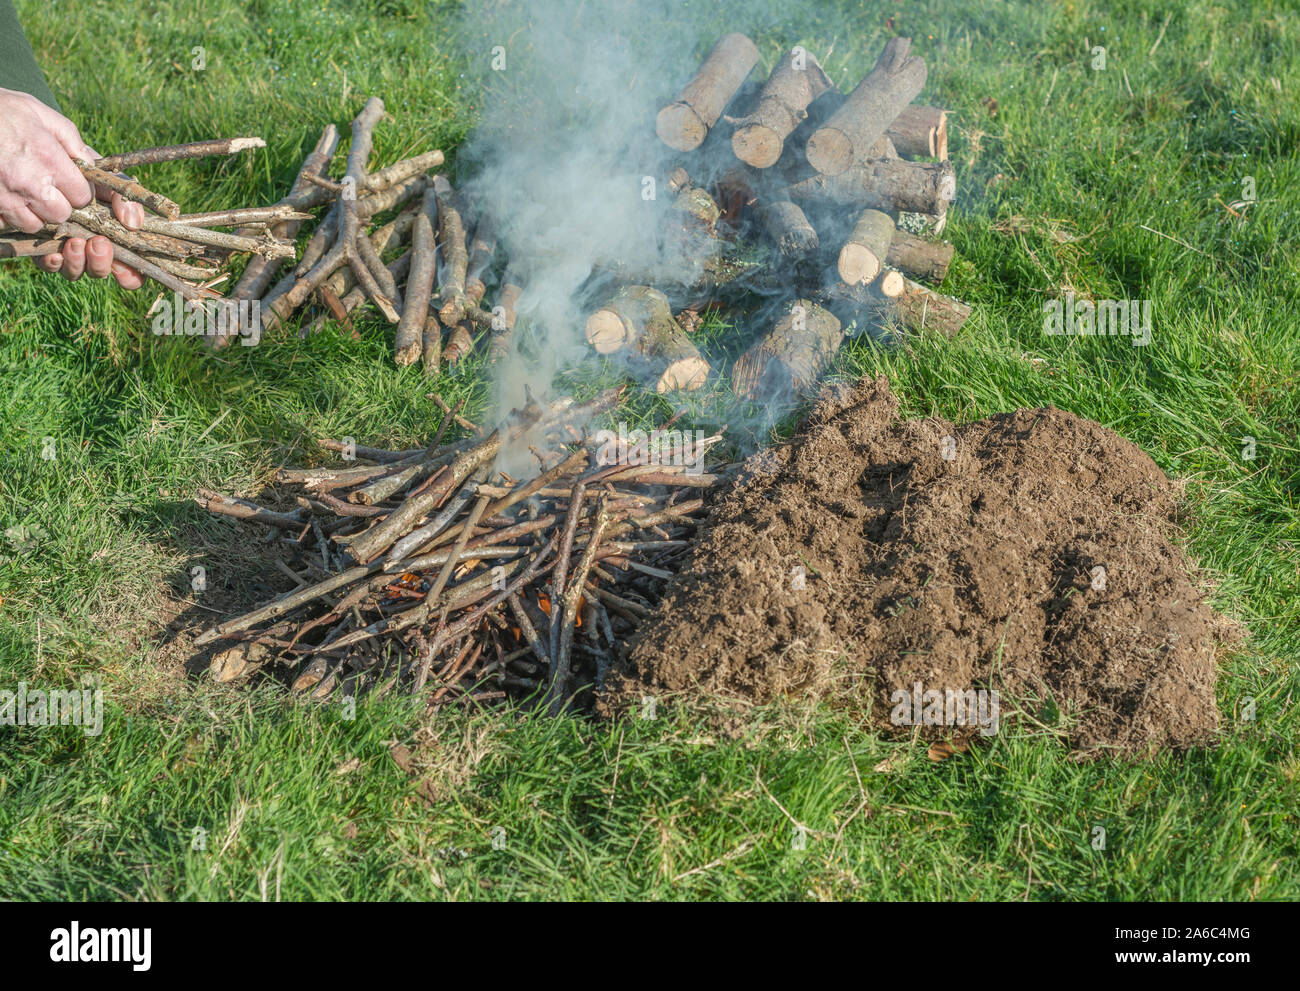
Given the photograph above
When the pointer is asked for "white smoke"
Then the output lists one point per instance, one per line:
(565, 159)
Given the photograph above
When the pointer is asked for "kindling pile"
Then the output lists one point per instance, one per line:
(432, 291)
(437, 567)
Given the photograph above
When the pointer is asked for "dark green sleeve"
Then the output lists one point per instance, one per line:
(18, 68)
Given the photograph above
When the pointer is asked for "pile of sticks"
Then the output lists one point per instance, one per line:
(847, 193)
(432, 568)
(181, 252)
(422, 269)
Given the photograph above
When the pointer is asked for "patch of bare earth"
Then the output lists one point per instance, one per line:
(1026, 553)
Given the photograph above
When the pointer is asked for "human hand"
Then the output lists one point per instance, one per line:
(39, 185)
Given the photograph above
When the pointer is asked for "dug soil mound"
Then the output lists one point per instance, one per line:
(1026, 554)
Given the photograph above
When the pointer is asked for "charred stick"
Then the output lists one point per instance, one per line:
(468, 622)
(380, 538)
(528, 631)
(457, 675)
(474, 515)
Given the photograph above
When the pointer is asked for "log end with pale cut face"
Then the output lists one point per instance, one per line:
(607, 332)
(685, 375)
(892, 284)
(757, 145)
(857, 265)
(830, 151)
(680, 127)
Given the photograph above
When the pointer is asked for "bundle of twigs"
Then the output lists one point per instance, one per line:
(434, 568)
(182, 252)
(423, 269)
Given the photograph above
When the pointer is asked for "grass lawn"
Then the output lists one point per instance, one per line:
(1116, 182)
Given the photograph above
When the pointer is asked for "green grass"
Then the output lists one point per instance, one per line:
(197, 791)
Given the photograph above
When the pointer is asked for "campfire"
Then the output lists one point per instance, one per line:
(433, 563)
(518, 561)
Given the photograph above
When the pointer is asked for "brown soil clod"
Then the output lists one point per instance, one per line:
(1027, 553)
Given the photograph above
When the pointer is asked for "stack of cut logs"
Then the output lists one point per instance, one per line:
(434, 568)
(831, 183)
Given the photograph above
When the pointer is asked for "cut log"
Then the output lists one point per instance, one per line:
(863, 254)
(783, 103)
(685, 123)
(921, 309)
(639, 319)
(915, 308)
(787, 225)
(454, 254)
(885, 184)
(920, 132)
(883, 148)
(790, 358)
(892, 283)
(848, 136)
(919, 258)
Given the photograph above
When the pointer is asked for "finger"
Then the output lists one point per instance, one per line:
(49, 263)
(66, 179)
(74, 258)
(51, 206)
(129, 214)
(99, 257)
(22, 218)
(127, 278)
